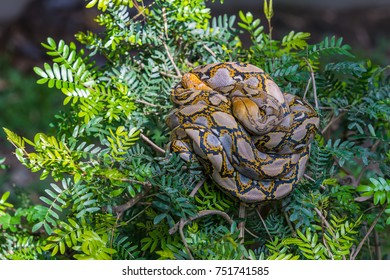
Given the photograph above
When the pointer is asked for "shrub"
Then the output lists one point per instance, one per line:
(119, 195)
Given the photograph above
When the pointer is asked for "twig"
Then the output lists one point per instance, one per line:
(241, 225)
(209, 50)
(165, 45)
(307, 88)
(139, 10)
(313, 82)
(265, 226)
(136, 215)
(346, 171)
(311, 179)
(181, 224)
(359, 247)
(327, 225)
(169, 75)
(294, 234)
(165, 22)
(147, 103)
(360, 176)
(201, 214)
(332, 122)
(183, 238)
(197, 187)
(171, 59)
(251, 233)
(331, 108)
(152, 144)
(377, 247)
(323, 219)
(122, 208)
(368, 245)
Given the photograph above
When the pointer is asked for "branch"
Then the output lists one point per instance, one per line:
(171, 59)
(183, 238)
(377, 246)
(140, 11)
(323, 219)
(367, 167)
(313, 82)
(264, 224)
(210, 51)
(311, 179)
(197, 187)
(169, 75)
(332, 122)
(294, 234)
(165, 45)
(146, 103)
(368, 232)
(307, 88)
(241, 225)
(152, 144)
(122, 208)
(201, 214)
(332, 109)
(181, 224)
(165, 22)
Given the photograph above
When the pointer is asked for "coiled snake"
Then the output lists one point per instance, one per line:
(252, 139)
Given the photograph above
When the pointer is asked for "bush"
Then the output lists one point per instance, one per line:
(119, 195)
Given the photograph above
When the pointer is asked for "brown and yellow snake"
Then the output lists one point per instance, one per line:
(252, 139)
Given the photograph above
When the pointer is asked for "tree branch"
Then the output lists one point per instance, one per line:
(313, 82)
(122, 208)
(241, 225)
(368, 232)
(181, 224)
(197, 187)
(169, 75)
(201, 214)
(323, 219)
(209, 50)
(171, 59)
(333, 120)
(263, 222)
(152, 144)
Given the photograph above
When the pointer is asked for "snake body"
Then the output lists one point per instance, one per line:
(252, 139)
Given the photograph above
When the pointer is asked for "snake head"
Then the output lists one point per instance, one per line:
(257, 120)
(191, 81)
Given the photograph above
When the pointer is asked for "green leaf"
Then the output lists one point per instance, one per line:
(268, 9)
(363, 188)
(40, 72)
(372, 130)
(4, 197)
(37, 226)
(159, 218)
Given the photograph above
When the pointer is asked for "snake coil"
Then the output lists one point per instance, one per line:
(252, 139)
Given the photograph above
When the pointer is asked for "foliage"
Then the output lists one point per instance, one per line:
(117, 194)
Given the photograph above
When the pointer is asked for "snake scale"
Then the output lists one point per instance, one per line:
(252, 139)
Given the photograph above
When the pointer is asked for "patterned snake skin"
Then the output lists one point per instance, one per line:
(252, 139)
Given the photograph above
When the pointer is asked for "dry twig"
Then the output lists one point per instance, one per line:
(122, 208)
(201, 214)
(313, 83)
(152, 144)
(359, 247)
